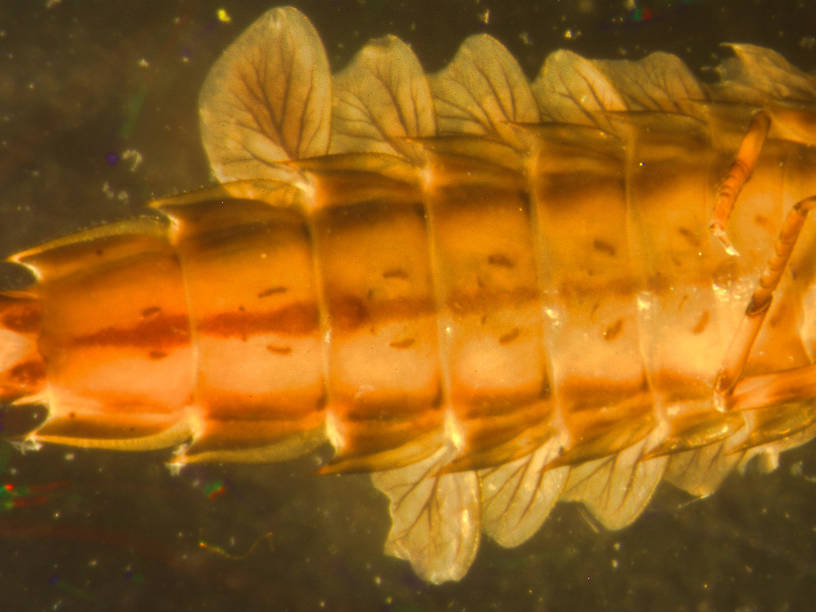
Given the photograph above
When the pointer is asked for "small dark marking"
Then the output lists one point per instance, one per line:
(501, 260)
(603, 247)
(690, 236)
(702, 323)
(272, 291)
(395, 273)
(72, 415)
(24, 320)
(613, 331)
(241, 308)
(777, 318)
(595, 308)
(150, 311)
(657, 283)
(157, 354)
(763, 222)
(100, 252)
(348, 312)
(165, 330)
(509, 336)
(28, 373)
(278, 350)
(401, 344)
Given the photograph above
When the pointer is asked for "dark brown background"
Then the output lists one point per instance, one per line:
(119, 532)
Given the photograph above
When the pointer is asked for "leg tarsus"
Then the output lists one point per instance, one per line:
(739, 173)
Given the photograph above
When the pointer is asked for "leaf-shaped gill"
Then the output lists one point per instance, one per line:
(483, 91)
(434, 517)
(267, 98)
(381, 99)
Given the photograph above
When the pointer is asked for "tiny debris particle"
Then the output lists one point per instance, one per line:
(223, 16)
(134, 157)
(587, 7)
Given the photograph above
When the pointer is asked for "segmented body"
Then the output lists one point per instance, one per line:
(490, 293)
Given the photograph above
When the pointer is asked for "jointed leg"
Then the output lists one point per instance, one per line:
(740, 348)
(739, 173)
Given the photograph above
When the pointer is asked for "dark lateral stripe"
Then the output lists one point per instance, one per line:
(347, 312)
(350, 312)
(163, 331)
(296, 319)
(482, 301)
(169, 331)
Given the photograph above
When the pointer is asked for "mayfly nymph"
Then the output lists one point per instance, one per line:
(492, 294)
